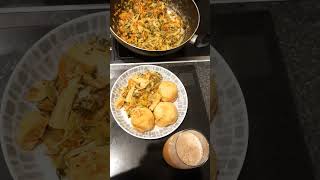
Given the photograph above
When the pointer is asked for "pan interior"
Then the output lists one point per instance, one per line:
(186, 9)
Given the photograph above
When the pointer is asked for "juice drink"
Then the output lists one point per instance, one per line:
(186, 150)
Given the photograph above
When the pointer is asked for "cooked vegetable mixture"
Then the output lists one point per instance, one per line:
(72, 116)
(150, 24)
(141, 91)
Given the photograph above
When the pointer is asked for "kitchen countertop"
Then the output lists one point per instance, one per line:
(297, 25)
(133, 157)
(203, 72)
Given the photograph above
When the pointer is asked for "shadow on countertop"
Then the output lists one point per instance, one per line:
(153, 167)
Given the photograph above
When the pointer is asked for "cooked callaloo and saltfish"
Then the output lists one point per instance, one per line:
(150, 24)
(148, 101)
(72, 115)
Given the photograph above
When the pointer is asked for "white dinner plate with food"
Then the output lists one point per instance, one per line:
(230, 127)
(154, 98)
(35, 99)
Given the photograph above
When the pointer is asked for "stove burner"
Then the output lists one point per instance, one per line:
(122, 53)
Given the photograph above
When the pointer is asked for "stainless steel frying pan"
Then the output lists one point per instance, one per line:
(186, 8)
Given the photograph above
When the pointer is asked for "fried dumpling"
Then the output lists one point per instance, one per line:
(142, 119)
(165, 114)
(168, 91)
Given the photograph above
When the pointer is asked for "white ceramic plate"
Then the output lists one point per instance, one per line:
(230, 129)
(40, 62)
(122, 118)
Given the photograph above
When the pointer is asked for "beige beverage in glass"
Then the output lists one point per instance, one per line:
(186, 149)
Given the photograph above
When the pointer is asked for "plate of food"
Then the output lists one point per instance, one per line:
(55, 110)
(148, 101)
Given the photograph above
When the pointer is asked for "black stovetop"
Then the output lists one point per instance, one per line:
(189, 51)
(276, 148)
(29, 3)
(122, 54)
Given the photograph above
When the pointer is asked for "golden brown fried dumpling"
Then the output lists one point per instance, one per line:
(165, 114)
(168, 91)
(32, 127)
(142, 119)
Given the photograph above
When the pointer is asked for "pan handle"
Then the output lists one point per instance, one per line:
(200, 41)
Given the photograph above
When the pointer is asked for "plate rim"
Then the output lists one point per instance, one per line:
(244, 154)
(19, 65)
(127, 131)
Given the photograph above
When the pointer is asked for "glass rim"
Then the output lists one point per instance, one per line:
(204, 160)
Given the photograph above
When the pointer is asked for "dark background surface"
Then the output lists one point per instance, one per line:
(28, 3)
(273, 49)
(134, 158)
